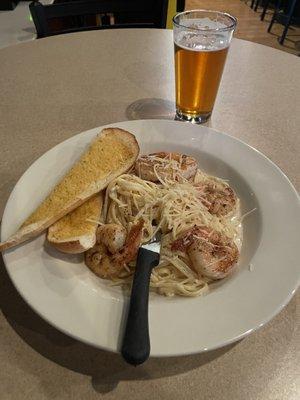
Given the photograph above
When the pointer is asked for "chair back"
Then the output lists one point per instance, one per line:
(107, 14)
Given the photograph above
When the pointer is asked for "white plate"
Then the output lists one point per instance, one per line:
(64, 292)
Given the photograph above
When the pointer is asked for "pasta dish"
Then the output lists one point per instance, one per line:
(197, 214)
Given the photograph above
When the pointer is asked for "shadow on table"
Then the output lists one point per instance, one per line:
(151, 108)
(106, 369)
(154, 108)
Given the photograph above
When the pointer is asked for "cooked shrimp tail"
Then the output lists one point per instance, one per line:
(109, 238)
(133, 241)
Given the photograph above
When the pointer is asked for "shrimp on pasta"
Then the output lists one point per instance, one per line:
(197, 214)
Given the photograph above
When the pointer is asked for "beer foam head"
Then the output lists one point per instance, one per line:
(203, 24)
(202, 34)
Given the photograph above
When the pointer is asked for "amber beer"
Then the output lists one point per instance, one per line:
(201, 40)
(198, 74)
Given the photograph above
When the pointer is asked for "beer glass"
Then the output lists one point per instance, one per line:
(201, 41)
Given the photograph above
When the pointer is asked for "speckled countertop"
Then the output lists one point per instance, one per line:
(53, 88)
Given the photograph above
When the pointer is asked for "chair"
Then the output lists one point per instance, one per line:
(266, 6)
(284, 14)
(127, 14)
(180, 5)
(259, 3)
(253, 3)
(8, 4)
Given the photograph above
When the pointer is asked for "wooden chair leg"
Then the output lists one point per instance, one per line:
(252, 3)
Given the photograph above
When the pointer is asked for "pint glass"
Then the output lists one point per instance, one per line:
(201, 41)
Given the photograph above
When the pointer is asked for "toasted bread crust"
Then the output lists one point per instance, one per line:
(71, 247)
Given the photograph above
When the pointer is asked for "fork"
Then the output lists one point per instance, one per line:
(136, 342)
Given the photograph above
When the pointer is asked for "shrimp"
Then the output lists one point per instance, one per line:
(160, 166)
(211, 253)
(219, 199)
(113, 236)
(107, 265)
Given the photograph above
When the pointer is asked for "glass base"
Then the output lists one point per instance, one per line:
(194, 119)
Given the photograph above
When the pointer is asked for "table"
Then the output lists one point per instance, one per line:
(56, 87)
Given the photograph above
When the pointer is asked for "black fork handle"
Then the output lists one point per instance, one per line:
(136, 342)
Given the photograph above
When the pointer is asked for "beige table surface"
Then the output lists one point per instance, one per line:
(54, 88)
